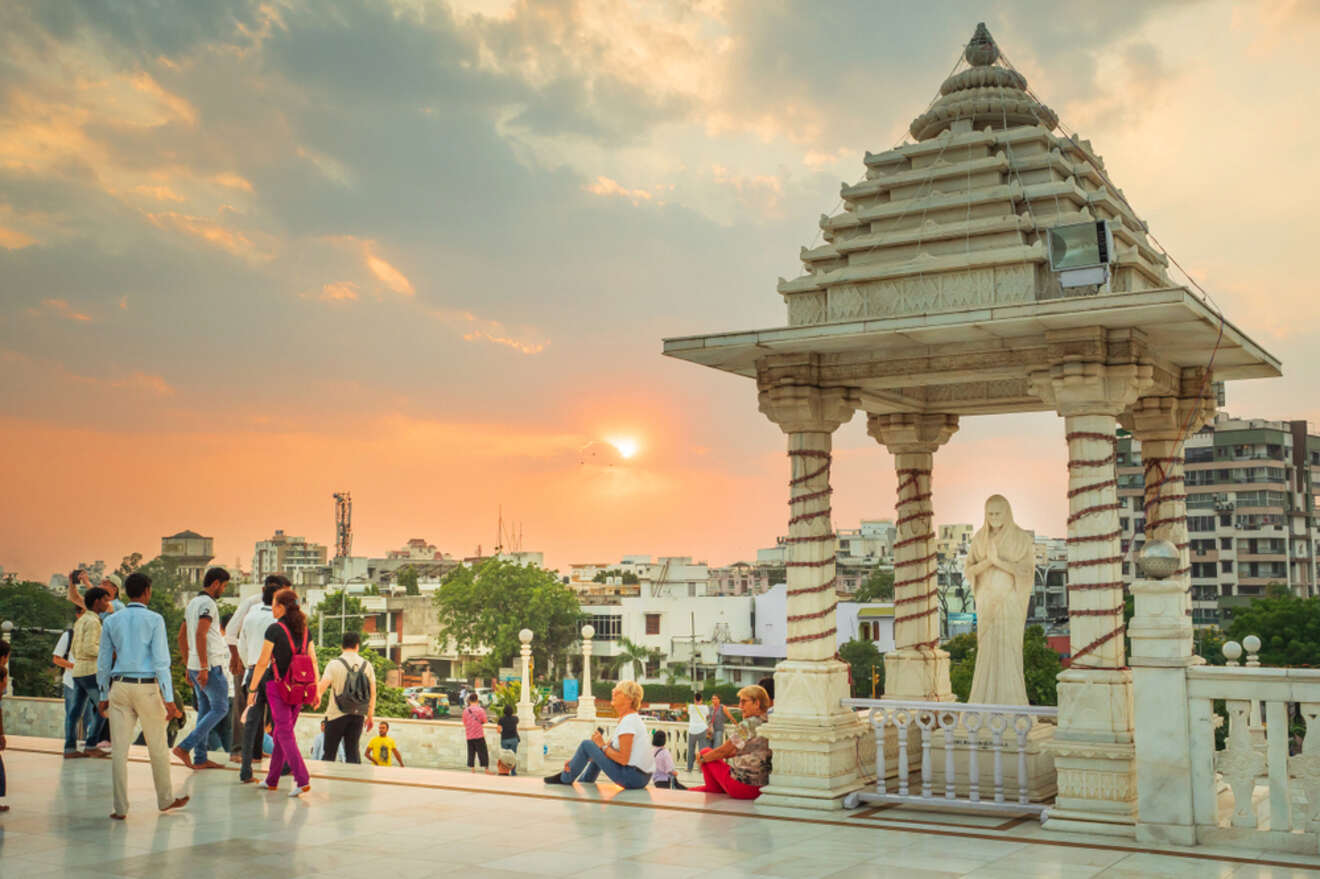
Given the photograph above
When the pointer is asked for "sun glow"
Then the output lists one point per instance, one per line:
(626, 445)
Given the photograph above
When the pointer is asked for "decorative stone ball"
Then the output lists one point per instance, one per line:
(1158, 559)
(1232, 651)
(588, 632)
(1252, 643)
(525, 636)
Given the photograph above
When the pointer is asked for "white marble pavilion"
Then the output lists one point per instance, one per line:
(933, 299)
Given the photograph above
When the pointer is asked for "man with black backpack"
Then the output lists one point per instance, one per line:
(352, 684)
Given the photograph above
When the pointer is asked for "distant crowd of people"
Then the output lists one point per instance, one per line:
(253, 672)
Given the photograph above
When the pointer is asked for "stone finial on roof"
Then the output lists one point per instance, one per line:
(984, 94)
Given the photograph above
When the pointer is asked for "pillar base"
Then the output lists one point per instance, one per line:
(916, 675)
(819, 746)
(1094, 755)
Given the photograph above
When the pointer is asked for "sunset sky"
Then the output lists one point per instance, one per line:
(255, 253)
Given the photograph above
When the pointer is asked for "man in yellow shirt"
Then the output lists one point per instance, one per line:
(382, 747)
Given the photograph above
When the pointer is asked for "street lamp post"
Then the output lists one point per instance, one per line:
(586, 701)
(526, 708)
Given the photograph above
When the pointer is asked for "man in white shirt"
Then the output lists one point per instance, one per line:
(59, 657)
(698, 724)
(253, 634)
(207, 657)
(351, 680)
(237, 671)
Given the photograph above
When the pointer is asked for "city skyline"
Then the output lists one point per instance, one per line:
(260, 255)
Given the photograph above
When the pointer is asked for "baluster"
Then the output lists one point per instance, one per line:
(925, 720)
(1022, 725)
(1305, 767)
(901, 719)
(879, 726)
(948, 721)
(998, 723)
(972, 722)
(1276, 750)
(1240, 763)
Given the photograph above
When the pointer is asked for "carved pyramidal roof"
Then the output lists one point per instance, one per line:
(956, 220)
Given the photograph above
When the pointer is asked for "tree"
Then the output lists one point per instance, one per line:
(130, 564)
(636, 655)
(864, 657)
(879, 586)
(628, 578)
(1040, 666)
(337, 613)
(38, 616)
(407, 578)
(487, 606)
(1288, 628)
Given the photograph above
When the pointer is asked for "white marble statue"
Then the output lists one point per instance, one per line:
(1001, 568)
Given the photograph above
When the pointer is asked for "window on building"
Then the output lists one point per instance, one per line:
(608, 626)
(653, 624)
(1226, 566)
(1225, 543)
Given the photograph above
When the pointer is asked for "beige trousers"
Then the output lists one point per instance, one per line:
(129, 705)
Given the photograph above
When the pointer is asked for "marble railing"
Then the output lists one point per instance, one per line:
(961, 753)
(1257, 757)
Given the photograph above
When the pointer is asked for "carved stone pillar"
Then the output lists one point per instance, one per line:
(1093, 747)
(814, 738)
(1162, 424)
(526, 707)
(917, 669)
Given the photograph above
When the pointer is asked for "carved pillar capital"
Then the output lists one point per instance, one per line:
(807, 409)
(1171, 418)
(905, 432)
(1075, 387)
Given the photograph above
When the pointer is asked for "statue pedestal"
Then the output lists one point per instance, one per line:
(1042, 783)
(917, 675)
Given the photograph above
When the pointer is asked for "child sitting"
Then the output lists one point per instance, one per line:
(664, 775)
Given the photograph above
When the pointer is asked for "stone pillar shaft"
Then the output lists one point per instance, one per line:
(916, 604)
(586, 701)
(526, 707)
(916, 669)
(812, 599)
(1095, 557)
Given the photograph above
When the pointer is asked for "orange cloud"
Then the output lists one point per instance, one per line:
(233, 181)
(604, 186)
(338, 291)
(176, 105)
(210, 231)
(12, 239)
(160, 193)
(477, 329)
(63, 309)
(387, 274)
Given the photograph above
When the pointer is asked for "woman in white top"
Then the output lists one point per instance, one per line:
(626, 759)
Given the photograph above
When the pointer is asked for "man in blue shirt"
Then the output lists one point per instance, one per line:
(133, 673)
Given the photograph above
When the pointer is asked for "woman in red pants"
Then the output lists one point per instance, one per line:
(740, 766)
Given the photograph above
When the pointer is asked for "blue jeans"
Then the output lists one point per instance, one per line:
(510, 745)
(84, 690)
(212, 707)
(589, 761)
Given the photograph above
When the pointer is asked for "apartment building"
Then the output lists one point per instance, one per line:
(1251, 513)
(294, 557)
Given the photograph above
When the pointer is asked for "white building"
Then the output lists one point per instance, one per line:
(675, 625)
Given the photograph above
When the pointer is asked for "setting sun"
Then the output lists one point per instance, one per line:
(626, 445)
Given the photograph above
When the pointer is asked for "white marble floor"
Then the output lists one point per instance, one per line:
(392, 823)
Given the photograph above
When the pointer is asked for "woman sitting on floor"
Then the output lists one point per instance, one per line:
(741, 766)
(625, 758)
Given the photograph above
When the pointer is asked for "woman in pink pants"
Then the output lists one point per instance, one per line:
(741, 766)
(284, 639)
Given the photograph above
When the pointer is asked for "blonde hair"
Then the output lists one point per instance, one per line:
(632, 690)
(757, 694)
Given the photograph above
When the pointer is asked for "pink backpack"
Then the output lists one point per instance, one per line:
(298, 686)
